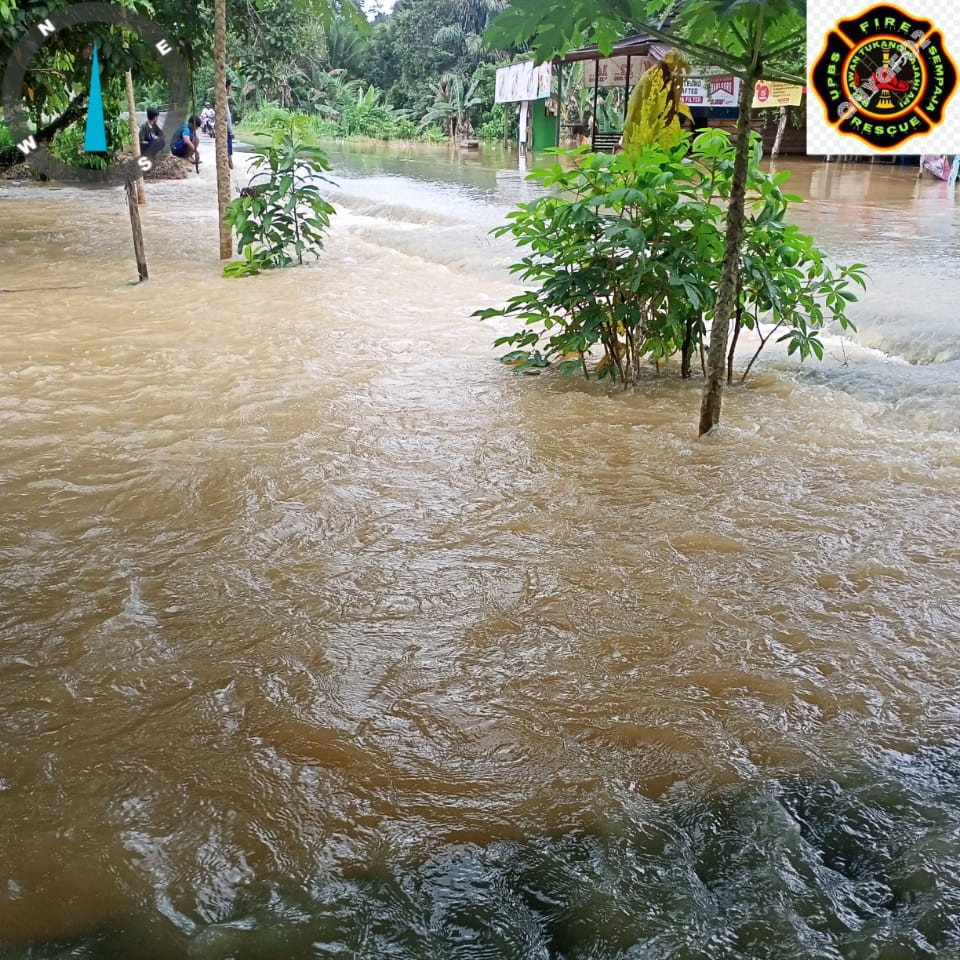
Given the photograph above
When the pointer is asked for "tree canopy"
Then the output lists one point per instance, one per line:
(717, 32)
(752, 39)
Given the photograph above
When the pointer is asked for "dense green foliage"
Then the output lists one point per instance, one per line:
(422, 59)
(419, 69)
(343, 108)
(624, 254)
(283, 217)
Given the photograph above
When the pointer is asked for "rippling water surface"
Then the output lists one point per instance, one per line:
(323, 635)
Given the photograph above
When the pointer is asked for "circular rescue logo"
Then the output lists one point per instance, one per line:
(63, 25)
(884, 77)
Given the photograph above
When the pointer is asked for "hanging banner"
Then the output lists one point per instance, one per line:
(544, 81)
(712, 92)
(770, 93)
(523, 81)
(613, 71)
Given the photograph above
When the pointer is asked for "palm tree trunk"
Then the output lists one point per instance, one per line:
(220, 124)
(134, 133)
(727, 291)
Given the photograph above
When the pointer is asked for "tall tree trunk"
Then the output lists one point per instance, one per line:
(781, 127)
(134, 133)
(686, 351)
(220, 124)
(727, 291)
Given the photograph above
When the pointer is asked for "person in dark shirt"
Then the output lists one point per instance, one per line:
(151, 136)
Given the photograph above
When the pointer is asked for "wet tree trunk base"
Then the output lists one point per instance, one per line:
(727, 291)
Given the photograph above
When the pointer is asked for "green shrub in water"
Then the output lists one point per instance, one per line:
(268, 119)
(624, 255)
(433, 134)
(405, 129)
(286, 217)
(324, 128)
(492, 129)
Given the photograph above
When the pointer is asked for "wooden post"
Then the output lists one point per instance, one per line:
(137, 230)
(626, 94)
(134, 133)
(560, 110)
(220, 124)
(596, 94)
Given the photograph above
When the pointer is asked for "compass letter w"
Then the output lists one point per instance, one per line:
(26, 146)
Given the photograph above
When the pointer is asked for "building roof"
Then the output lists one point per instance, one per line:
(639, 45)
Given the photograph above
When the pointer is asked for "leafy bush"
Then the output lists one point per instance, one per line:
(67, 146)
(492, 129)
(269, 118)
(5, 139)
(286, 216)
(625, 254)
(348, 110)
(152, 92)
(366, 115)
(405, 129)
(324, 128)
(433, 134)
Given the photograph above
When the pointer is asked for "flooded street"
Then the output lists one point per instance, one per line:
(325, 635)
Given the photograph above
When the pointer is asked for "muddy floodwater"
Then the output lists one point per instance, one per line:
(324, 635)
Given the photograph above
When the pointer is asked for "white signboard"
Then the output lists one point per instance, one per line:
(712, 92)
(613, 72)
(523, 81)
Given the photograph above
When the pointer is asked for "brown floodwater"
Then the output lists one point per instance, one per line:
(322, 634)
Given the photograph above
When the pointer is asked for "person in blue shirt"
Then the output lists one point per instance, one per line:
(185, 145)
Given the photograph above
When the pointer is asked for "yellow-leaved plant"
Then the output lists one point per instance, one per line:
(656, 105)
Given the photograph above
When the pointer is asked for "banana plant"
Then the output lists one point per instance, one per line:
(452, 106)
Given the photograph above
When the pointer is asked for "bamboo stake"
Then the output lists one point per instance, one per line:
(134, 133)
(137, 230)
